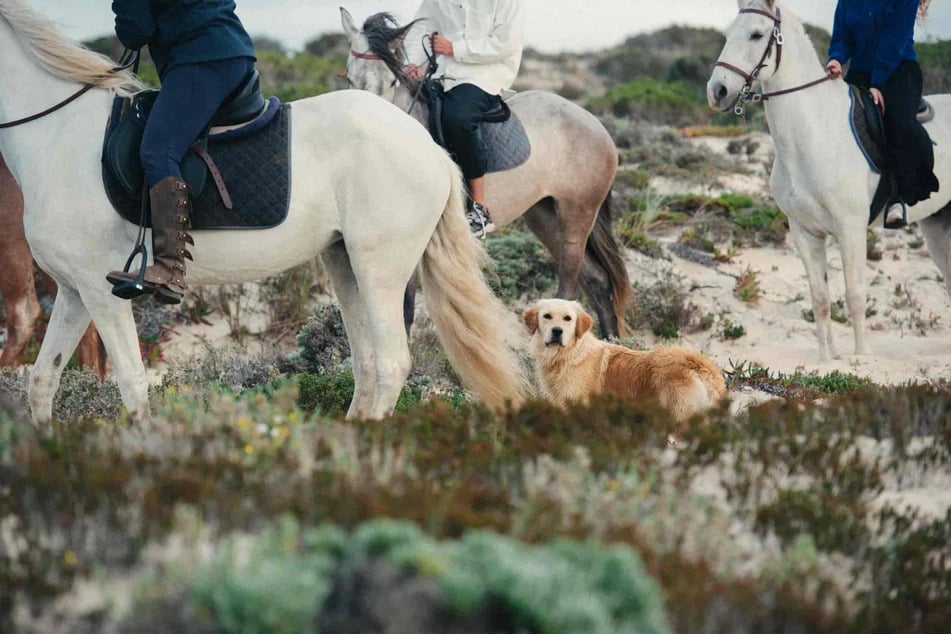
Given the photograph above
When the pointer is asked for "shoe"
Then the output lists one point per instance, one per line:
(171, 219)
(896, 216)
(480, 222)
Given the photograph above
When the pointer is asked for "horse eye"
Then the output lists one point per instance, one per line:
(546, 316)
(758, 35)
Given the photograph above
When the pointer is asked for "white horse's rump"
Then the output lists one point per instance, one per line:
(370, 189)
(820, 178)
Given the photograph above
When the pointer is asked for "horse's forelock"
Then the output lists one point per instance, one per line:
(385, 38)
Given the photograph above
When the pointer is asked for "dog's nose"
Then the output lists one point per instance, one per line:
(556, 332)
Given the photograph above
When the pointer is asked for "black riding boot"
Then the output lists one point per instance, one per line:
(171, 219)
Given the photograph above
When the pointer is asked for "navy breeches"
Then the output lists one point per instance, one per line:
(463, 109)
(190, 96)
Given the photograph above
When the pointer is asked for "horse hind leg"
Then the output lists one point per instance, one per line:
(353, 311)
(937, 232)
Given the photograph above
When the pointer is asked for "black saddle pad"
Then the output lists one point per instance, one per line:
(255, 168)
(508, 144)
(868, 128)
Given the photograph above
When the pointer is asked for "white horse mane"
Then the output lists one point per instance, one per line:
(62, 57)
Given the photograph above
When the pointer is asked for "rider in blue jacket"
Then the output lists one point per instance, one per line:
(876, 38)
(202, 54)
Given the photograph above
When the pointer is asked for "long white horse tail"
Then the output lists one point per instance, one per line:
(477, 331)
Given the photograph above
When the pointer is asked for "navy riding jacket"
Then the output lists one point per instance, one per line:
(875, 35)
(182, 31)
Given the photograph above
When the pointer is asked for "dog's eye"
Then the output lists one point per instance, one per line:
(567, 317)
(546, 316)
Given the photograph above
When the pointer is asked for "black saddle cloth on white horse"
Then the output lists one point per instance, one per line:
(505, 138)
(245, 155)
(868, 128)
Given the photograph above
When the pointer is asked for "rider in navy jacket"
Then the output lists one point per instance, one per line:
(203, 55)
(876, 39)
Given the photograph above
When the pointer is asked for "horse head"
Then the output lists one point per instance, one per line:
(751, 54)
(377, 54)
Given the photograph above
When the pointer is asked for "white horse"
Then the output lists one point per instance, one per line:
(820, 178)
(371, 191)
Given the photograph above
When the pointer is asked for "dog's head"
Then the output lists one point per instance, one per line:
(557, 322)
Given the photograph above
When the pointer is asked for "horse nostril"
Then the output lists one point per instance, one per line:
(720, 92)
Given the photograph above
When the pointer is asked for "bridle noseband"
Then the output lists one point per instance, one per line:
(776, 39)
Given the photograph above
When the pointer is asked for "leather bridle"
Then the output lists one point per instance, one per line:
(775, 40)
(129, 58)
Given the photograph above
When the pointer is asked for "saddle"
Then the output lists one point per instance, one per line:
(508, 144)
(246, 143)
(868, 128)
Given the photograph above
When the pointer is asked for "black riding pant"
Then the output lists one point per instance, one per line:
(463, 111)
(910, 151)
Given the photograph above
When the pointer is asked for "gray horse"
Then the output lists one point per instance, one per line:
(563, 189)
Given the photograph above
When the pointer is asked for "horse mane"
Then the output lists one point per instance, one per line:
(62, 57)
(382, 30)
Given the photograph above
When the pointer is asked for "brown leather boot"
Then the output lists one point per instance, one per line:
(171, 219)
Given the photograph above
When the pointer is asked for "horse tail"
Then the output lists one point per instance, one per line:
(604, 250)
(476, 330)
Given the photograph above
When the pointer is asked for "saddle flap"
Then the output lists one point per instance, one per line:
(868, 127)
(243, 105)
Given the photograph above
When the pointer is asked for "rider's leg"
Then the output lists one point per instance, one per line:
(190, 96)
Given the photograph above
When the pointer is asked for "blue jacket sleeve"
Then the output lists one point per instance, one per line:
(840, 48)
(134, 22)
(893, 37)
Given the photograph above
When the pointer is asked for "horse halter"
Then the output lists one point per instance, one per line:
(776, 39)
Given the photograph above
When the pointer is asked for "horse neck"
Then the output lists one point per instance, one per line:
(810, 113)
(27, 88)
(404, 100)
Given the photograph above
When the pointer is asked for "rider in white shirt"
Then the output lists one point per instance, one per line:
(479, 48)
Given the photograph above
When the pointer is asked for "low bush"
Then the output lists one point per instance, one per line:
(521, 267)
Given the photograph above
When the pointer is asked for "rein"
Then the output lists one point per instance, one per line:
(776, 39)
(124, 63)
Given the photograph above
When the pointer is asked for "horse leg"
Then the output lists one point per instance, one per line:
(812, 252)
(22, 310)
(67, 324)
(853, 244)
(937, 232)
(90, 354)
(541, 220)
(409, 303)
(353, 311)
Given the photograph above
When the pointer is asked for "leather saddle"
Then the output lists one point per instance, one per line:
(120, 152)
(868, 128)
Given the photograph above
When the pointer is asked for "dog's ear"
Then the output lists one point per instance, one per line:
(583, 323)
(530, 317)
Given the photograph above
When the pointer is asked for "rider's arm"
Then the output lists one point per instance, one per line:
(504, 39)
(893, 38)
(414, 39)
(134, 22)
(840, 48)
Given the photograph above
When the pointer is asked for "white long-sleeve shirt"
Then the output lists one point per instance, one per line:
(486, 38)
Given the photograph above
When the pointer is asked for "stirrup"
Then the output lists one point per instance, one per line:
(480, 222)
(130, 289)
(901, 222)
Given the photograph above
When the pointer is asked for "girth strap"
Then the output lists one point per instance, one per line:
(200, 150)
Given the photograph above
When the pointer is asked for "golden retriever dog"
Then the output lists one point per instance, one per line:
(572, 365)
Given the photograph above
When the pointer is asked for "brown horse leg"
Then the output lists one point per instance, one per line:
(590, 275)
(16, 272)
(91, 354)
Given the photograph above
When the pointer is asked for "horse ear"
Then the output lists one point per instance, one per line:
(349, 28)
(584, 322)
(530, 317)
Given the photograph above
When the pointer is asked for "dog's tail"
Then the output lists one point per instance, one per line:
(711, 377)
(476, 330)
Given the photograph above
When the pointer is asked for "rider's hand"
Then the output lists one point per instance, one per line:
(442, 46)
(834, 69)
(413, 71)
(878, 98)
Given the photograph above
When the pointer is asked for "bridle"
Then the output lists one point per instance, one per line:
(775, 40)
(431, 66)
(129, 58)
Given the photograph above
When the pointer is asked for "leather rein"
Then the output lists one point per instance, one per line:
(128, 59)
(775, 40)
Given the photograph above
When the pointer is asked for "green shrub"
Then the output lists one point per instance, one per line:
(665, 306)
(521, 268)
(331, 393)
(671, 103)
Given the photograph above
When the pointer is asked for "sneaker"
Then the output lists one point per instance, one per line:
(896, 216)
(479, 220)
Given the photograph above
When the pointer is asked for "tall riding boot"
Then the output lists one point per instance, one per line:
(171, 219)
